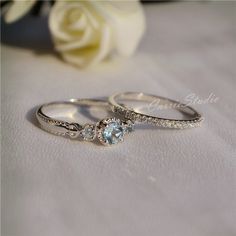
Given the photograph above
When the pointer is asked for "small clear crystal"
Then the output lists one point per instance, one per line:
(88, 132)
(128, 126)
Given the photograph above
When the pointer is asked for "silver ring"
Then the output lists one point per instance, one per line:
(116, 102)
(109, 131)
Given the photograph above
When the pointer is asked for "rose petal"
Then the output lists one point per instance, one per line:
(91, 55)
(127, 22)
(88, 38)
(58, 14)
(18, 9)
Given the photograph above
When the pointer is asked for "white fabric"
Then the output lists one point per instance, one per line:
(158, 182)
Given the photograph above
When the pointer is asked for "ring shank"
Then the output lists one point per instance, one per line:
(60, 127)
(194, 119)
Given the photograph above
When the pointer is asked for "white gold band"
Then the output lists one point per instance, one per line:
(108, 131)
(194, 119)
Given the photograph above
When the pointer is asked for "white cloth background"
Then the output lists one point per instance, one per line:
(158, 182)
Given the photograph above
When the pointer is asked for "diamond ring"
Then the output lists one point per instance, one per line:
(59, 118)
(120, 103)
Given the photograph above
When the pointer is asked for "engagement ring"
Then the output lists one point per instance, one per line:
(109, 131)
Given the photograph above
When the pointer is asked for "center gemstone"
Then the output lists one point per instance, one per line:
(113, 133)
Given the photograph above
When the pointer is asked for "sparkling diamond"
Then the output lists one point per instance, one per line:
(113, 132)
(128, 126)
(88, 132)
(138, 118)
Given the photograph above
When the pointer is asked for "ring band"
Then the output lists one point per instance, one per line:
(194, 121)
(109, 130)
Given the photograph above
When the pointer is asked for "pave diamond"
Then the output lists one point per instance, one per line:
(88, 132)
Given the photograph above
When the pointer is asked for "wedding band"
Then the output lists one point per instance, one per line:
(117, 106)
(109, 131)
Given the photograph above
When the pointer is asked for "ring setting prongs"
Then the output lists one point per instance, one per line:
(111, 131)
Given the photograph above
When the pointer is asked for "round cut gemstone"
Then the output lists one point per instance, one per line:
(128, 127)
(88, 132)
(113, 133)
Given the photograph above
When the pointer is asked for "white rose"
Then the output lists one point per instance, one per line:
(86, 32)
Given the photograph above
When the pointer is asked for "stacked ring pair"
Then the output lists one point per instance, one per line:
(112, 130)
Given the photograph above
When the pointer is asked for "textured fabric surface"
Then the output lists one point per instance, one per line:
(158, 182)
